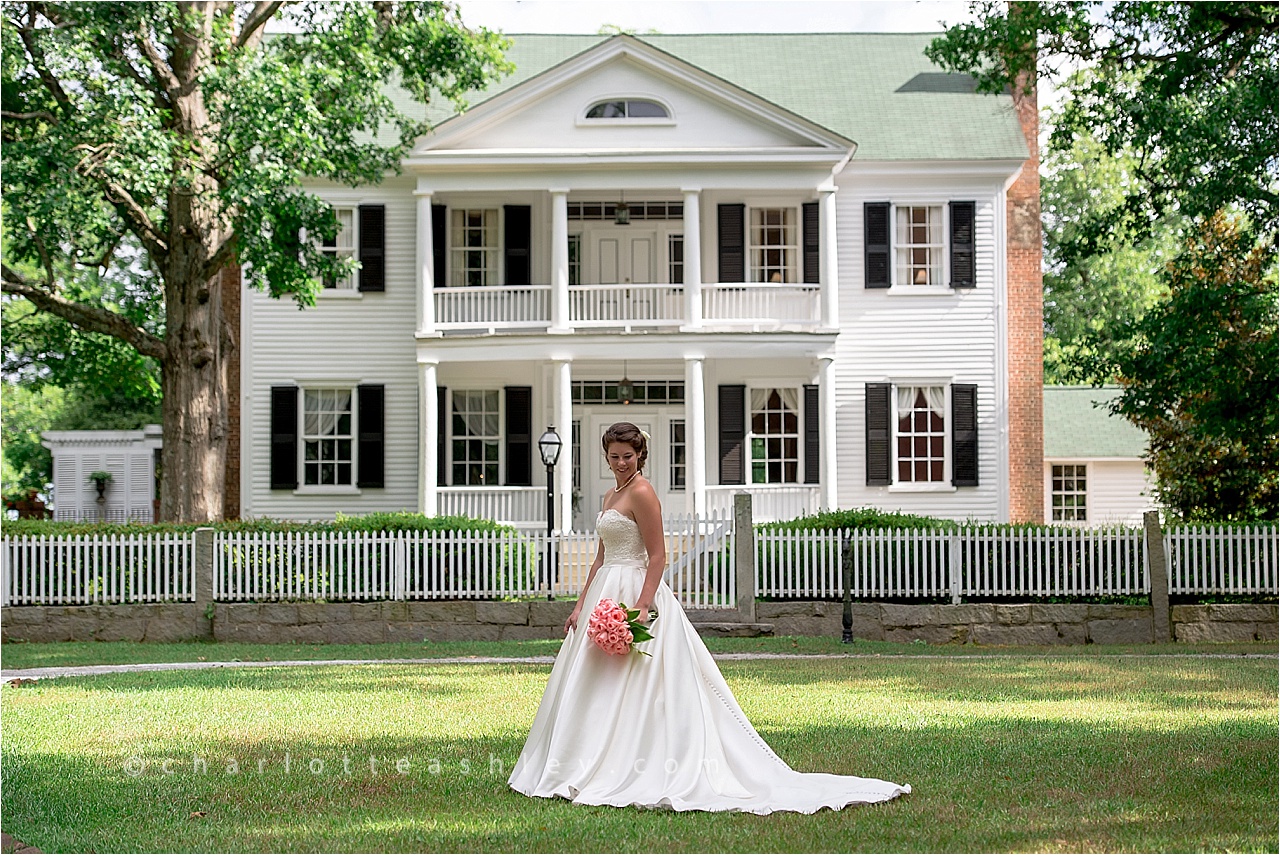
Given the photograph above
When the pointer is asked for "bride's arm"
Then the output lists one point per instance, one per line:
(572, 620)
(648, 511)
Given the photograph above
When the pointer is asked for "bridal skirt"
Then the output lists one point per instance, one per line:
(662, 731)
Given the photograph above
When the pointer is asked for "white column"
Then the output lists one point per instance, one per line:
(827, 432)
(692, 258)
(828, 269)
(695, 433)
(563, 409)
(426, 266)
(428, 425)
(559, 261)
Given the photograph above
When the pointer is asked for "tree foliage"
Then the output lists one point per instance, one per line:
(179, 128)
(1090, 300)
(1202, 378)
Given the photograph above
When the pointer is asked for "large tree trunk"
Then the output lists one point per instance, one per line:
(195, 384)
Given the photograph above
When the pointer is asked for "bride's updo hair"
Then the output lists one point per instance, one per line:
(627, 434)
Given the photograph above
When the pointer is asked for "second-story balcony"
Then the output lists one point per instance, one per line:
(739, 306)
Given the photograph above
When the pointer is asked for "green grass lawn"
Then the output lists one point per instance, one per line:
(1076, 752)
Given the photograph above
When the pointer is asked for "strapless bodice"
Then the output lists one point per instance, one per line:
(623, 543)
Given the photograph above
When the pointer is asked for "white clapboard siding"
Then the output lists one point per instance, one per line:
(888, 336)
(344, 341)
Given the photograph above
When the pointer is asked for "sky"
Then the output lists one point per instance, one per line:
(713, 16)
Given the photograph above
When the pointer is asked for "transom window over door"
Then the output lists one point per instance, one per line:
(773, 244)
(918, 243)
(775, 436)
(327, 437)
(476, 436)
(474, 246)
(921, 434)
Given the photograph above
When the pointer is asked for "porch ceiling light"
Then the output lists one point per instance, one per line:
(621, 212)
(549, 446)
(626, 389)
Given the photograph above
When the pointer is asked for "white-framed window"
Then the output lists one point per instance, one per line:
(342, 247)
(773, 244)
(476, 437)
(675, 259)
(627, 108)
(921, 437)
(328, 433)
(473, 246)
(1069, 493)
(774, 436)
(918, 245)
(678, 454)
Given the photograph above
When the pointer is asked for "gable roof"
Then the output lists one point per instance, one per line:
(877, 89)
(1074, 427)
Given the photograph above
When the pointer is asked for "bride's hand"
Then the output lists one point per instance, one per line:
(572, 621)
(646, 615)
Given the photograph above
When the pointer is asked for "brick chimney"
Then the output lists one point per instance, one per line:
(1026, 329)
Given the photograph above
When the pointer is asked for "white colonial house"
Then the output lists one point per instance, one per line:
(785, 256)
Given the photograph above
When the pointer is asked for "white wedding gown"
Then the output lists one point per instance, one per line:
(660, 731)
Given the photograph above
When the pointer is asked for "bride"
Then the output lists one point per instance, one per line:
(661, 730)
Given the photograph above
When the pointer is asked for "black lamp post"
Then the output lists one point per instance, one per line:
(549, 447)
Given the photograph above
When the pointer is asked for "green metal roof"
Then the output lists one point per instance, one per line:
(877, 89)
(1074, 427)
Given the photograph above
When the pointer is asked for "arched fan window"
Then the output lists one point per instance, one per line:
(630, 108)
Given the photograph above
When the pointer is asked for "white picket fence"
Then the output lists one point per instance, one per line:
(87, 569)
(970, 562)
(264, 566)
(989, 561)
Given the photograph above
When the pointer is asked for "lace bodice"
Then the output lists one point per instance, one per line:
(623, 543)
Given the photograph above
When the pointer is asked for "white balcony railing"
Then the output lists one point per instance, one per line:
(493, 307)
(518, 506)
(750, 305)
(626, 305)
(761, 304)
(769, 502)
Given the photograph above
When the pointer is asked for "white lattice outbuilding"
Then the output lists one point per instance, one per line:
(131, 456)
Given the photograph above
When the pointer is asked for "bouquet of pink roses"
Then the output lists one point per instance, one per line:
(616, 629)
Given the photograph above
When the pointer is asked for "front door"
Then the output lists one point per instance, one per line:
(622, 256)
(601, 479)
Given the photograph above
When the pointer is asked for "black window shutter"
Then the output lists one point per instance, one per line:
(442, 442)
(809, 220)
(519, 431)
(733, 235)
(373, 240)
(284, 437)
(875, 244)
(371, 441)
(878, 434)
(964, 434)
(962, 273)
(812, 436)
(518, 238)
(733, 405)
(439, 245)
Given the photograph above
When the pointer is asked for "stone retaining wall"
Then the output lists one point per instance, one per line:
(472, 620)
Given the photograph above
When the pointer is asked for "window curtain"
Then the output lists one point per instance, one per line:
(790, 399)
(475, 414)
(934, 396)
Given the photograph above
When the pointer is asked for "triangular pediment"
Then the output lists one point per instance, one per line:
(549, 112)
